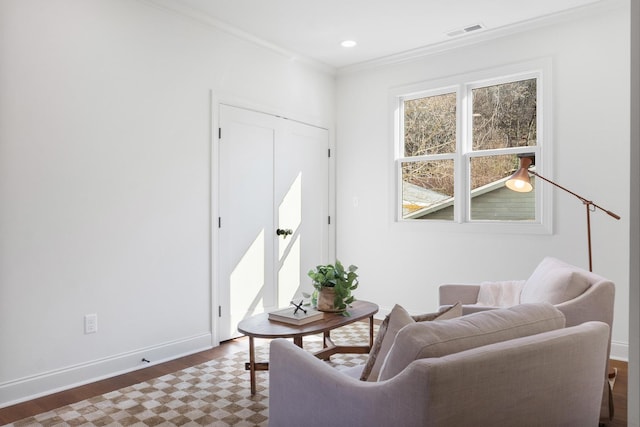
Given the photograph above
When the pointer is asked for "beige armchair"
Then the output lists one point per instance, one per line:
(581, 295)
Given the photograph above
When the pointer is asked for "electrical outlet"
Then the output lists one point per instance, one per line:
(90, 323)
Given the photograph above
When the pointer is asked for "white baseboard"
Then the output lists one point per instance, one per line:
(32, 387)
(620, 350)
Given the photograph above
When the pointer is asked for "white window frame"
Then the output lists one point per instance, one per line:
(462, 85)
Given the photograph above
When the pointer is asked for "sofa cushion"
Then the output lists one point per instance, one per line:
(436, 339)
(392, 323)
(554, 281)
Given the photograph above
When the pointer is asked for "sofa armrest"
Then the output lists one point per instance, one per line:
(596, 303)
(305, 390)
(465, 293)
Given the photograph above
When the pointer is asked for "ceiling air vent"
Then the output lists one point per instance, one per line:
(465, 30)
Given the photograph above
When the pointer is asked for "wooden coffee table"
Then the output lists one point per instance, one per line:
(259, 326)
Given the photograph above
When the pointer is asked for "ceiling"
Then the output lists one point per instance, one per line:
(314, 29)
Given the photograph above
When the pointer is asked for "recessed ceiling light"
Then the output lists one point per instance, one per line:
(348, 43)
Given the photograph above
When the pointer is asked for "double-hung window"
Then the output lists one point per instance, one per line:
(457, 143)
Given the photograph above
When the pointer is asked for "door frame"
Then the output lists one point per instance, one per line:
(214, 192)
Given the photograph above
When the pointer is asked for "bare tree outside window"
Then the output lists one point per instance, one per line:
(503, 117)
(430, 125)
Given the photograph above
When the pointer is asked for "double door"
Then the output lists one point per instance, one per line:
(274, 214)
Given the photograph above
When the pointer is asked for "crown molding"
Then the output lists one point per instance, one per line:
(592, 9)
(184, 11)
(465, 40)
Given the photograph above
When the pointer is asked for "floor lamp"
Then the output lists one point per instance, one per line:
(520, 182)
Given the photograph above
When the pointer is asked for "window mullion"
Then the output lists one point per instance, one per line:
(462, 158)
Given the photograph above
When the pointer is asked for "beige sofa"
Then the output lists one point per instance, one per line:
(506, 367)
(580, 295)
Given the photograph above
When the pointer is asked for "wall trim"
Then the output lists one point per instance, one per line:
(594, 8)
(620, 350)
(31, 387)
(202, 18)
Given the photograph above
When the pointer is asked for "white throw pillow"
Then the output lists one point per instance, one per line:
(500, 294)
(554, 281)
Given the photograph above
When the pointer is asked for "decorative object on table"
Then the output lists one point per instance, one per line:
(334, 285)
(298, 307)
(296, 315)
(520, 182)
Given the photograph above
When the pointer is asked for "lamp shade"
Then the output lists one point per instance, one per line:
(520, 181)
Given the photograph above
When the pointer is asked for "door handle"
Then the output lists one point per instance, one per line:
(284, 233)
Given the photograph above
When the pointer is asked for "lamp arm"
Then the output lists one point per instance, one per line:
(585, 201)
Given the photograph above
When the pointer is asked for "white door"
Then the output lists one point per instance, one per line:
(273, 176)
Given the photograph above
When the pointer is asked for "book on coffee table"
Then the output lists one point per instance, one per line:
(291, 316)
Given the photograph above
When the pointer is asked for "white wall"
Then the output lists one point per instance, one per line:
(633, 389)
(405, 263)
(105, 169)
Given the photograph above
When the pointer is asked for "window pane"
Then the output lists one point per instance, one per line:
(430, 125)
(427, 190)
(504, 115)
(490, 199)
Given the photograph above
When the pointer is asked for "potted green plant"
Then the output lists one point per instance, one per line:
(334, 285)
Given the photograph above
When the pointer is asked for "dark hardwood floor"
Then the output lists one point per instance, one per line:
(47, 403)
(620, 395)
(56, 400)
